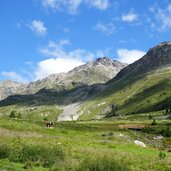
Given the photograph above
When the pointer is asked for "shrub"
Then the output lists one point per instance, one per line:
(4, 151)
(154, 122)
(13, 114)
(149, 130)
(166, 132)
(111, 133)
(167, 111)
(101, 164)
(45, 118)
(28, 166)
(45, 156)
(150, 117)
(162, 155)
(19, 115)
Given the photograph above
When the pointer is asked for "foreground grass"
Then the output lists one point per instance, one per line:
(77, 146)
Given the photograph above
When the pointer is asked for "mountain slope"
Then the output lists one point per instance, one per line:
(9, 88)
(142, 86)
(157, 57)
(99, 71)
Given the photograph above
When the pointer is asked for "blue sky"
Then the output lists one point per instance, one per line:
(42, 37)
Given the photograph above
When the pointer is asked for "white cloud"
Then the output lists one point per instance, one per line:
(72, 6)
(50, 4)
(162, 19)
(129, 56)
(99, 4)
(107, 29)
(130, 17)
(59, 60)
(58, 5)
(13, 76)
(38, 27)
(56, 65)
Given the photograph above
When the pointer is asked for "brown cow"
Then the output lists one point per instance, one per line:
(49, 124)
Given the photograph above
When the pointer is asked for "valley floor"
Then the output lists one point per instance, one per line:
(83, 146)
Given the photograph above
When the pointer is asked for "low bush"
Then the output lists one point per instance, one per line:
(4, 151)
(153, 122)
(162, 155)
(13, 114)
(101, 164)
(46, 156)
(166, 132)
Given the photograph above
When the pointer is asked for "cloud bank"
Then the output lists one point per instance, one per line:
(129, 56)
(59, 60)
(13, 76)
(72, 6)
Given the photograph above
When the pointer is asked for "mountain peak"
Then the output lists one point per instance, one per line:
(165, 43)
(162, 46)
(9, 83)
(99, 71)
(107, 62)
(157, 57)
(160, 55)
(103, 59)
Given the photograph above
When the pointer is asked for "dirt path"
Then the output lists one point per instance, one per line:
(70, 112)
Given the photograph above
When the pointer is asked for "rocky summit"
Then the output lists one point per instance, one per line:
(156, 58)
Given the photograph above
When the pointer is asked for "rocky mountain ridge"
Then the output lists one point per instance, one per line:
(93, 72)
(142, 86)
(157, 57)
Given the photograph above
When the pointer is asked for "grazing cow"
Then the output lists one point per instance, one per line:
(49, 124)
(140, 143)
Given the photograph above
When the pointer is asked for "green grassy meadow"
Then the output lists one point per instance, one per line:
(87, 145)
(91, 144)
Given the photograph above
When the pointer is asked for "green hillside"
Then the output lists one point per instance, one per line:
(132, 94)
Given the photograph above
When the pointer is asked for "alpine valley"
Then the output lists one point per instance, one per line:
(97, 89)
(85, 85)
(101, 116)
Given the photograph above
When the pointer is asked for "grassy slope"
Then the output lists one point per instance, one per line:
(132, 94)
(37, 113)
(84, 142)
